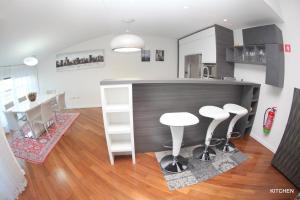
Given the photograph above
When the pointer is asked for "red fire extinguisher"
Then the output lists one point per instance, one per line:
(268, 123)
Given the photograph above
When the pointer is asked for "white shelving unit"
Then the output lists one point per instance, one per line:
(118, 120)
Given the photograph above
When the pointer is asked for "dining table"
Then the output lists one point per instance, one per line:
(25, 106)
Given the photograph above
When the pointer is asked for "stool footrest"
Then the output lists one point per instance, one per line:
(235, 135)
(215, 142)
(169, 145)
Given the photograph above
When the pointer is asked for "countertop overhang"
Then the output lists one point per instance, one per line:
(179, 80)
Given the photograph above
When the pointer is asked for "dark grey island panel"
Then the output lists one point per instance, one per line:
(150, 101)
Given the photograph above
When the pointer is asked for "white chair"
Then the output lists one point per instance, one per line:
(22, 116)
(47, 114)
(205, 153)
(51, 92)
(177, 121)
(60, 104)
(21, 99)
(9, 105)
(13, 124)
(239, 112)
(32, 116)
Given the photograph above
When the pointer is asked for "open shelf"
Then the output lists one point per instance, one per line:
(119, 129)
(120, 143)
(117, 108)
(121, 146)
(250, 54)
(118, 119)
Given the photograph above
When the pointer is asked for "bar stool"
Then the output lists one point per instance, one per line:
(177, 121)
(239, 111)
(205, 153)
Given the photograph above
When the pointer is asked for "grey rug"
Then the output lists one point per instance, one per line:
(199, 171)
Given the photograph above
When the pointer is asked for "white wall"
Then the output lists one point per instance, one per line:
(82, 86)
(271, 96)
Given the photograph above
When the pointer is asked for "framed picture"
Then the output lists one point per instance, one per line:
(80, 60)
(160, 55)
(145, 55)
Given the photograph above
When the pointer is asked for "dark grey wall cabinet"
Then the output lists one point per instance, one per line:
(274, 65)
(269, 34)
(287, 156)
(224, 39)
(262, 46)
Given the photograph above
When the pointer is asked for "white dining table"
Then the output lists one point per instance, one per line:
(26, 106)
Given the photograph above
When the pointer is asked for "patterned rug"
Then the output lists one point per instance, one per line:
(36, 150)
(199, 171)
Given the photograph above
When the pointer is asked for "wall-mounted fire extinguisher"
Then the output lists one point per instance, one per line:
(268, 122)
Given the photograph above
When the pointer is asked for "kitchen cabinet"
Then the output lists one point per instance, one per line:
(262, 46)
(211, 44)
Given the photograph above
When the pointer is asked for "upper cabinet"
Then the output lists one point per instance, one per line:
(269, 34)
(210, 44)
(202, 42)
(262, 46)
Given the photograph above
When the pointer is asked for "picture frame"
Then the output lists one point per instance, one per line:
(80, 60)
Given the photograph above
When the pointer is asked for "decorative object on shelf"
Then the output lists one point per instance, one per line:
(159, 55)
(80, 60)
(127, 42)
(31, 61)
(32, 96)
(145, 55)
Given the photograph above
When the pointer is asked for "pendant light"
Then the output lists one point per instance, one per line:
(31, 61)
(127, 42)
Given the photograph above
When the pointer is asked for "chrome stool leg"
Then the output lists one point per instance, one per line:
(226, 146)
(174, 164)
(204, 153)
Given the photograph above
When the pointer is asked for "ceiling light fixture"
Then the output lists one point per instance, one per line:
(31, 61)
(185, 7)
(225, 20)
(127, 42)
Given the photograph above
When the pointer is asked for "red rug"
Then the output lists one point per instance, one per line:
(36, 150)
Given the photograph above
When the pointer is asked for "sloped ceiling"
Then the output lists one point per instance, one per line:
(42, 27)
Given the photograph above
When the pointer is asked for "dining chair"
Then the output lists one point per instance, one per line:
(61, 101)
(22, 116)
(33, 116)
(60, 105)
(50, 91)
(9, 105)
(13, 124)
(47, 114)
(21, 99)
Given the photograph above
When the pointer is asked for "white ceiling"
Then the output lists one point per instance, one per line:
(41, 27)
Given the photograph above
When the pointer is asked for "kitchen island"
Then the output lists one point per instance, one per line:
(149, 99)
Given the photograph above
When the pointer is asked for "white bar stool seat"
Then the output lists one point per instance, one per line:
(177, 121)
(218, 115)
(239, 112)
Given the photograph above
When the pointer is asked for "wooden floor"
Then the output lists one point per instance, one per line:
(78, 168)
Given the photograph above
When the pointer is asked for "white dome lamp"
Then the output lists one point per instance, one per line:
(31, 61)
(127, 42)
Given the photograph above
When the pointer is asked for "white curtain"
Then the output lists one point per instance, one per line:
(12, 180)
(15, 82)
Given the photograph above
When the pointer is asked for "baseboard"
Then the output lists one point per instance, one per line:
(264, 143)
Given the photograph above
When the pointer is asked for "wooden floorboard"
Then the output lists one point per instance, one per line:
(78, 168)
